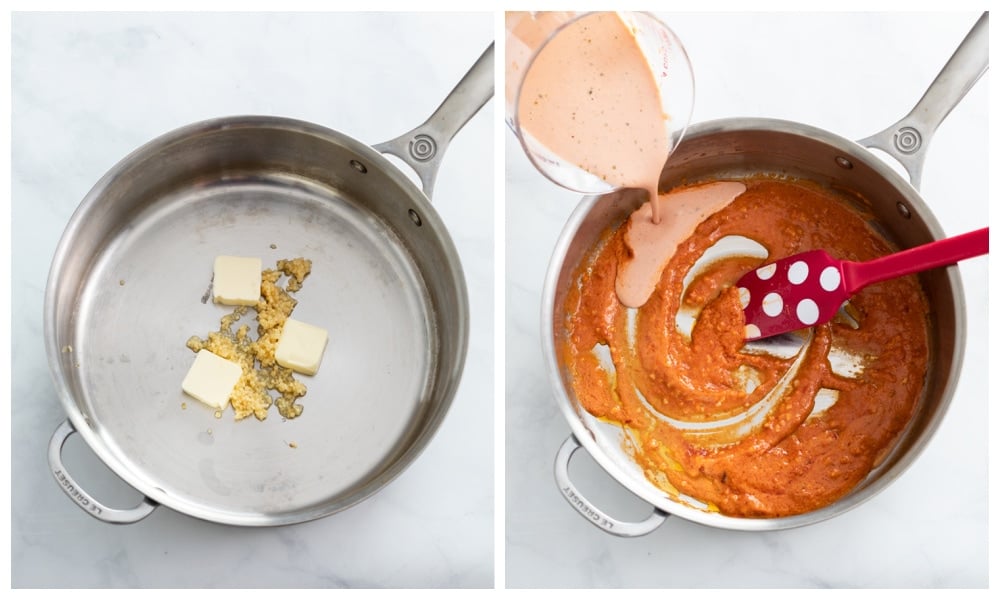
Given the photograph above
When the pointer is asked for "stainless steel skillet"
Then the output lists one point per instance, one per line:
(126, 286)
(739, 147)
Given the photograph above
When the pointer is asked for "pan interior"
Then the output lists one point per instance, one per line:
(733, 149)
(380, 390)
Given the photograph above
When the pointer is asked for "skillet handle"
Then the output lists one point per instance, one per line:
(588, 510)
(423, 147)
(907, 139)
(83, 499)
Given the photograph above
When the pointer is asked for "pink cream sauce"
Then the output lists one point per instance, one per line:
(654, 244)
(591, 98)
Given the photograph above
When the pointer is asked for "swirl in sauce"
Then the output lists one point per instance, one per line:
(748, 431)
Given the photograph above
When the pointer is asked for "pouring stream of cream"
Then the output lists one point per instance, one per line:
(591, 97)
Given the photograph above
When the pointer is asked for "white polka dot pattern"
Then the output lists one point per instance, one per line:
(829, 279)
(767, 271)
(744, 297)
(807, 311)
(790, 293)
(798, 272)
(772, 304)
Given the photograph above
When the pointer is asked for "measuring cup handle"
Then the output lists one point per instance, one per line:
(423, 147)
(588, 510)
(907, 139)
(82, 498)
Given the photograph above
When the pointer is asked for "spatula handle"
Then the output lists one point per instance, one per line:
(921, 258)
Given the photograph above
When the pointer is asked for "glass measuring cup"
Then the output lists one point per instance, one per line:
(530, 34)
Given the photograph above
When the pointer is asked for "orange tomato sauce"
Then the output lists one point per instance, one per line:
(745, 431)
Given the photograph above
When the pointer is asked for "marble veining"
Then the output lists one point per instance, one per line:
(87, 89)
(852, 74)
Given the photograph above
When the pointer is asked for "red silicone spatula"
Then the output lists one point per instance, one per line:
(808, 288)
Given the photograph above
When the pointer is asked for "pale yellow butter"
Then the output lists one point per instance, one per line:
(211, 379)
(236, 280)
(301, 347)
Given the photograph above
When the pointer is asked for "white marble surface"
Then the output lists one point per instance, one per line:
(89, 88)
(853, 75)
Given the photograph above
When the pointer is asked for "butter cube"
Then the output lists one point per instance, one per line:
(211, 379)
(236, 280)
(301, 347)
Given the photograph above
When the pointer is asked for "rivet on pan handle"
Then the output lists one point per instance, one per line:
(588, 510)
(82, 498)
(907, 139)
(423, 147)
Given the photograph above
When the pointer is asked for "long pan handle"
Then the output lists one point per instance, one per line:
(423, 147)
(907, 139)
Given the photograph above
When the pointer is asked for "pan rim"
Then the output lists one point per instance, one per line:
(450, 380)
(646, 490)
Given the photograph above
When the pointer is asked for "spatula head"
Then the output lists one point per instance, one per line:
(791, 293)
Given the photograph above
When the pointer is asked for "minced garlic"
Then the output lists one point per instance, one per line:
(251, 396)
